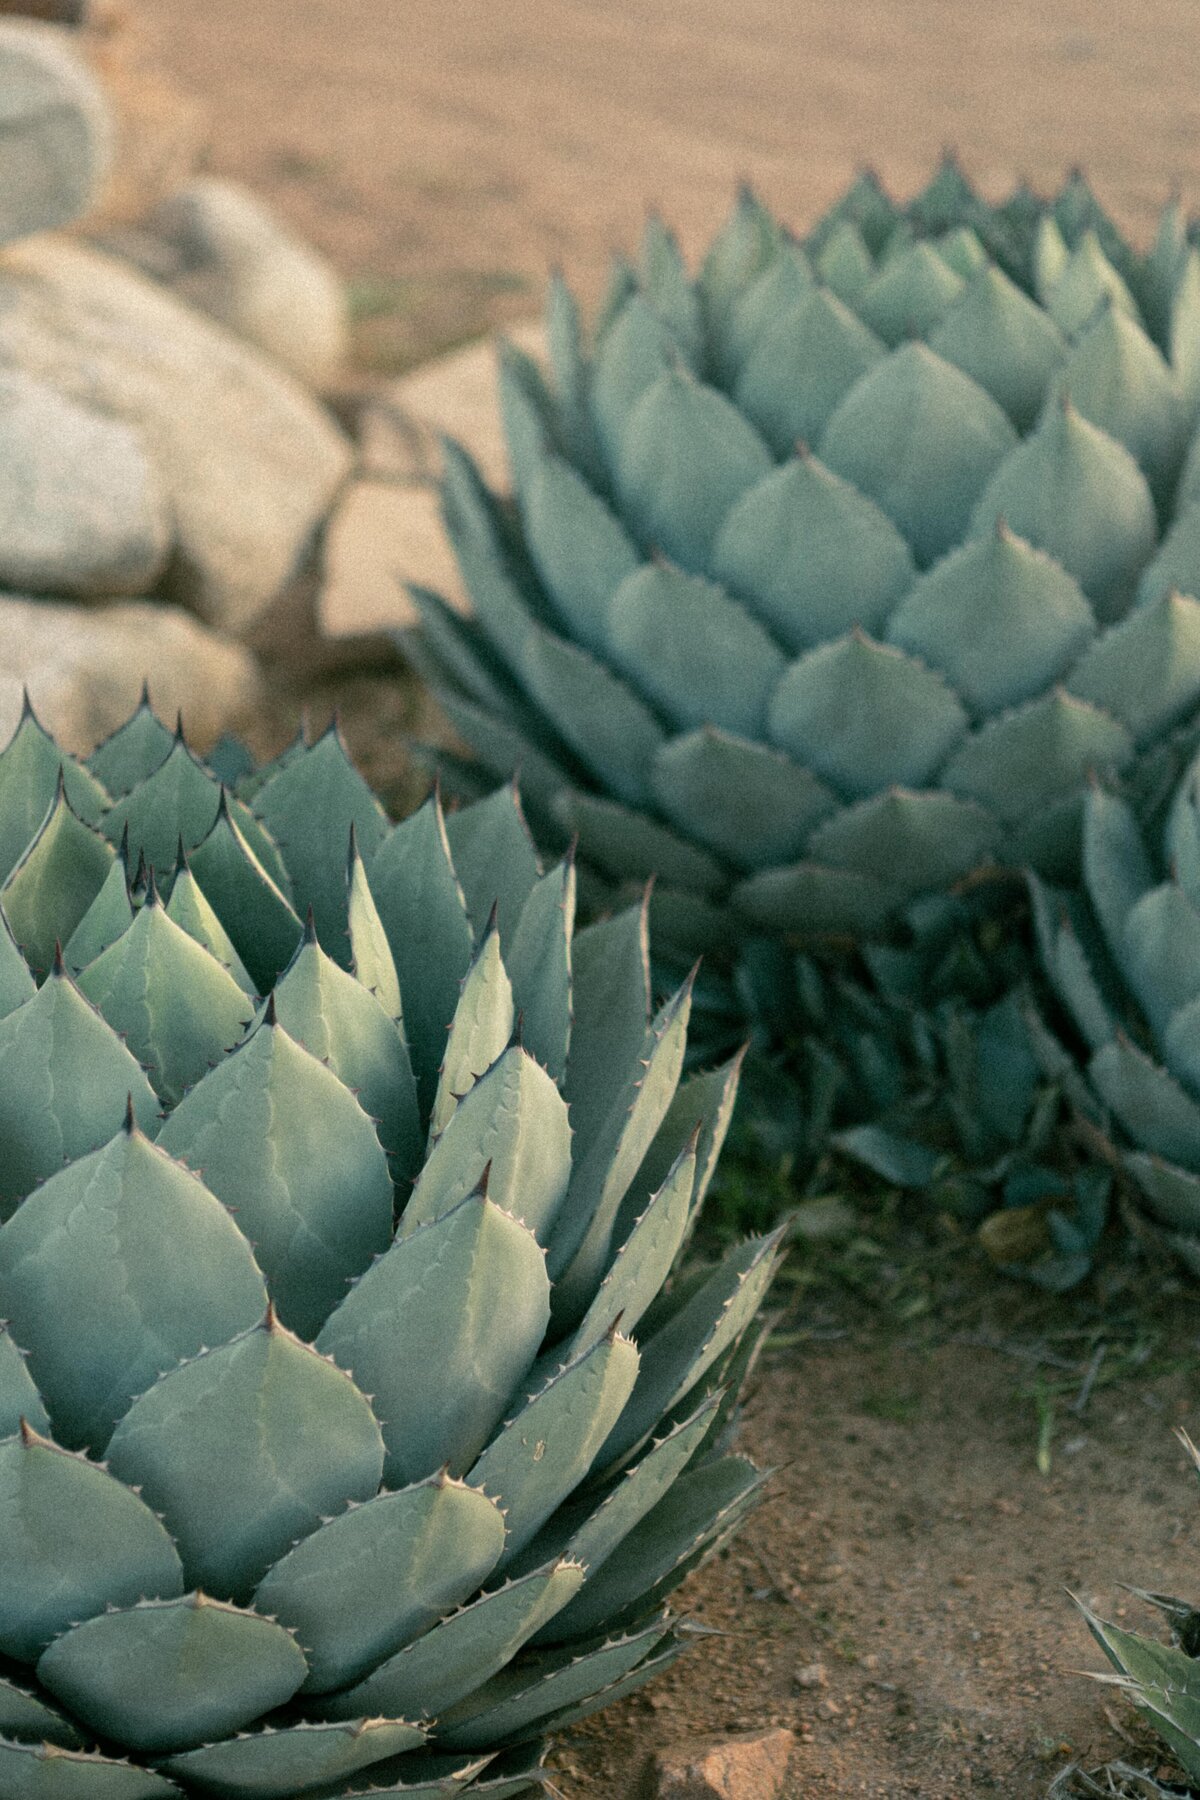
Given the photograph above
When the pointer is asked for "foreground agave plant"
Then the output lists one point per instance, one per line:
(1162, 1680)
(1124, 960)
(328, 1461)
(834, 571)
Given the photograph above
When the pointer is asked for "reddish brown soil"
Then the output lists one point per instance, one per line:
(444, 156)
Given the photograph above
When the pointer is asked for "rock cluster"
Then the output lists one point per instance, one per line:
(159, 441)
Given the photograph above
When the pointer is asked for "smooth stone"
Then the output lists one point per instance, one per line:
(454, 396)
(382, 537)
(248, 461)
(220, 249)
(84, 668)
(82, 512)
(750, 1765)
(55, 130)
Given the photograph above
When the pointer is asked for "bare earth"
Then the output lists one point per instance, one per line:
(445, 156)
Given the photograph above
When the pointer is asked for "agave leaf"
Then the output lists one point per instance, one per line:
(515, 1703)
(1116, 869)
(1073, 491)
(693, 651)
(424, 915)
(909, 295)
(580, 549)
(277, 1764)
(454, 650)
(1173, 1193)
(501, 607)
(169, 1674)
(682, 1350)
(667, 288)
(588, 1528)
(645, 1257)
(1000, 620)
(865, 716)
(1002, 340)
(527, 413)
(631, 846)
(506, 752)
(692, 1510)
(31, 767)
(1145, 671)
(481, 1029)
(647, 1670)
(120, 1266)
(131, 753)
(512, 1126)
(172, 1002)
(180, 799)
(803, 362)
(1162, 1679)
(19, 1399)
(48, 1772)
(255, 911)
(1086, 282)
(811, 556)
(305, 804)
(17, 985)
(845, 265)
(932, 838)
(286, 1146)
(632, 353)
(341, 1023)
(463, 1652)
(548, 1446)
(370, 953)
(380, 1575)
(684, 456)
(494, 859)
(747, 802)
(1020, 762)
(564, 341)
(784, 284)
(614, 734)
(57, 1044)
(922, 440)
(235, 1500)
(1117, 378)
(26, 1717)
(1154, 1109)
(473, 1284)
(188, 908)
(1050, 258)
(607, 1164)
(1160, 954)
(54, 883)
(704, 1100)
(416, 1776)
(1184, 330)
(804, 897)
(104, 1544)
(539, 966)
(741, 250)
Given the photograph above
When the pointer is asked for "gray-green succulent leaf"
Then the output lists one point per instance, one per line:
(342, 1191)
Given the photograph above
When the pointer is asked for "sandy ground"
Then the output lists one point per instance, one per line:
(940, 1481)
(457, 150)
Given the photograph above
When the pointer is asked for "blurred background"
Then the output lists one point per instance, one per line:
(446, 155)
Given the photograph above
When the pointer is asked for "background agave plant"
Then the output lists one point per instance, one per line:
(832, 572)
(328, 1462)
(1163, 1680)
(1123, 958)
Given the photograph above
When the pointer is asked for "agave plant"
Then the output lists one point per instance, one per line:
(1123, 958)
(1162, 1680)
(337, 1177)
(833, 571)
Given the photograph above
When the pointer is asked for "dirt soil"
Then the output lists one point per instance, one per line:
(953, 1450)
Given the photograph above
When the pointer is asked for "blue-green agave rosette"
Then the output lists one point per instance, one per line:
(1123, 958)
(353, 1433)
(833, 570)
